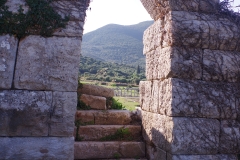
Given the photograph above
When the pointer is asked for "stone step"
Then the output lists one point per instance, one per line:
(110, 133)
(95, 102)
(106, 150)
(108, 117)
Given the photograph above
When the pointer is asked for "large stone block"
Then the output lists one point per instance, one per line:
(24, 113)
(101, 132)
(96, 90)
(158, 9)
(95, 102)
(202, 157)
(37, 113)
(37, 148)
(108, 117)
(62, 115)
(185, 98)
(197, 30)
(14, 6)
(154, 153)
(181, 135)
(221, 66)
(230, 137)
(48, 63)
(192, 30)
(174, 62)
(107, 150)
(8, 50)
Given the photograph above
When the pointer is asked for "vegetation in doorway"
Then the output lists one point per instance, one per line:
(110, 72)
(41, 19)
(114, 104)
(122, 134)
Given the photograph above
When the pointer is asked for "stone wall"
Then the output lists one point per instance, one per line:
(38, 88)
(190, 101)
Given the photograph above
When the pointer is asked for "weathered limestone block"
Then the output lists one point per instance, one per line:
(192, 29)
(85, 117)
(14, 6)
(185, 98)
(154, 153)
(197, 30)
(37, 148)
(181, 135)
(63, 113)
(8, 50)
(108, 117)
(98, 132)
(95, 102)
(202, 157)
(75, 10)
(158, 9)
(24, 113)
(230, 137)
(96, 150)
(48, 63)
(221, 66)
(116, 117)
(96, 90)
(174, 62)
(73, 29)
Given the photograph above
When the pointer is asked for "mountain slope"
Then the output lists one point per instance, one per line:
(116, 43)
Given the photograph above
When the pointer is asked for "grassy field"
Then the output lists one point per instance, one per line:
(129, 102)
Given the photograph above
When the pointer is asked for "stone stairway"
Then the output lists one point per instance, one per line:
(108, 134)
(103, 133)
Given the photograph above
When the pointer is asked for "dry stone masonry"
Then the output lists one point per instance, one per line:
(38, 88)
(190, 100)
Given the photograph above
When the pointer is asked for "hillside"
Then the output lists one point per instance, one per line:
(116, 43)
(91, 69)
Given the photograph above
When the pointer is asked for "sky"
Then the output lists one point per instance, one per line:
(124, 12)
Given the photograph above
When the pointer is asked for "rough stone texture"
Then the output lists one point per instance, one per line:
(8, 49)
(37, 148)
(192, 30)
(155, 153)
(73, 29)
(181, 135)
(24, 113)
(170, 62)
(158, 9)
(97, 132)
(108, 117)
(96, 150)
(48, 63)
(37, 113)
(96, 90)
(95, 102)
(14, 5)
(62, 114)
(221, 66)
(230, 137)
(74, 9)
(202, 157)
(185, 98)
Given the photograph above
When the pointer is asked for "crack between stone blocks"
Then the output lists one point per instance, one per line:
(15, 64)
(50, 115)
